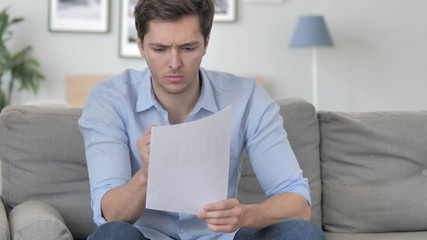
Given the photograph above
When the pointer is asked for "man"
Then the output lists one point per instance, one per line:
(173, 36)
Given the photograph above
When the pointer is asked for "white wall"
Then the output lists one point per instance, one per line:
(378, 62)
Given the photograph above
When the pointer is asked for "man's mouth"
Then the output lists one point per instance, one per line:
(174, 78)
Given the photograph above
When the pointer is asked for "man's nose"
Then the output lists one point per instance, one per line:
(175, 61)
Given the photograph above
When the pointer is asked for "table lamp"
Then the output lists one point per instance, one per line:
(312, 31)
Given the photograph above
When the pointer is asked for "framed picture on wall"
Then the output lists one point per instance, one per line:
(264, 1)
(128, 34)
(79, 16)
(225, 10)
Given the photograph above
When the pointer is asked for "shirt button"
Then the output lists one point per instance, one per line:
(181, 231)
(424, 172)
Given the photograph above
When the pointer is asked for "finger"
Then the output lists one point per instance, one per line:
(222, 228)
(222, 205)
(214, 214)
(144, 150)
(223, 221)
(235, 212)
(145, 141)
(150, 129)
(143, 145)
(147, 133)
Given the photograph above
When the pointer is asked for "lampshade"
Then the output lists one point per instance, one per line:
(311, 31)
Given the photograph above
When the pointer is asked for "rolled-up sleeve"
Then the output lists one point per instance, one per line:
(270, 152)
(102, 125)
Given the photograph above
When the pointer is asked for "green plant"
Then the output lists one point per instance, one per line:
(17, 67)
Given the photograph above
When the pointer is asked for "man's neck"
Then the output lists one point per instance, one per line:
(179, 106)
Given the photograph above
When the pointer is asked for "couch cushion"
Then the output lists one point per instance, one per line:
(373, 171)
(377, 236)
(300, 122)
(43, 159)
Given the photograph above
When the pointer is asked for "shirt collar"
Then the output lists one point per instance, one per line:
(146, 98)
(207, 99)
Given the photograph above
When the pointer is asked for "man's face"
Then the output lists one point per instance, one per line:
(174, 51)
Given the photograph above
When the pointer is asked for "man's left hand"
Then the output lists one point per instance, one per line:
(223, 216)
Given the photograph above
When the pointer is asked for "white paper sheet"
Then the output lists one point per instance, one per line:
(189, 164)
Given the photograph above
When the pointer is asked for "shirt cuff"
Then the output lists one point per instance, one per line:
(96, 206)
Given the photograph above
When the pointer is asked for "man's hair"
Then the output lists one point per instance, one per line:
(173, 10)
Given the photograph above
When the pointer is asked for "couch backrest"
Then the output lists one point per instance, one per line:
(301, 124)
(43, 159)
(374, 171)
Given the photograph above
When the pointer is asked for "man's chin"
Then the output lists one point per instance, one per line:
(175, 90)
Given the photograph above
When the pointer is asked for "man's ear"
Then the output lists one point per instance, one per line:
(206, 44)
(141, 50)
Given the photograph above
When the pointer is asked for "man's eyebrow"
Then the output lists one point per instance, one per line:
(161, 45)
(157, 45)
(191, 44)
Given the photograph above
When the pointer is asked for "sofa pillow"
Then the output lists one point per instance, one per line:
(43, 159)
(35, 220)
(300, 123)
(4, 223)
(373, 171)
(1, 186)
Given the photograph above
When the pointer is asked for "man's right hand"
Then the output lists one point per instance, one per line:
(144, 149)
(127, 202)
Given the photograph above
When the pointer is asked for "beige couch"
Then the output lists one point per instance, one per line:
(367, 172)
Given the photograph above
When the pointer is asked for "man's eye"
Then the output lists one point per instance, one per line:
(189, 49)
(159, 50)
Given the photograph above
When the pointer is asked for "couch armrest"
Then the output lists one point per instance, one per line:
(37, 221)
(4, 224)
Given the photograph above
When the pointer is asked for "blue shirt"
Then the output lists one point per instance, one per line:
(119, 110)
